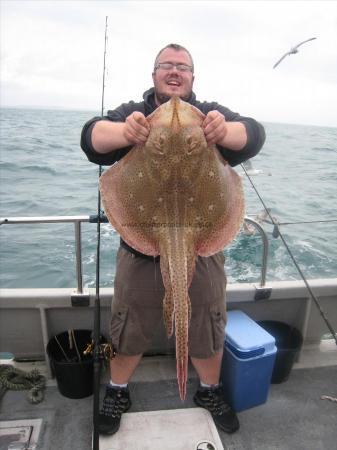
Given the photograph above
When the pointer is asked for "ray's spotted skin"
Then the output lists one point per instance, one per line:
(175, 196)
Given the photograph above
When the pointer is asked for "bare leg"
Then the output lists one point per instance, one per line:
(122, 368)
(208, 369)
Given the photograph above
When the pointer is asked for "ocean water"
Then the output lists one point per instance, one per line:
(44, 172)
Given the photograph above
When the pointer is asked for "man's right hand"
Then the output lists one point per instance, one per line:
(137, 128)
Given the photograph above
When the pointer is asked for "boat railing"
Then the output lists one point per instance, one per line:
(78, 220)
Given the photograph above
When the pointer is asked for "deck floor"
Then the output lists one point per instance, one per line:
(294, 417)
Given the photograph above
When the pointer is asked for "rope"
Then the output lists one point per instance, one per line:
(301, 223)
(308, 222)
(262, 217)
(19, 380)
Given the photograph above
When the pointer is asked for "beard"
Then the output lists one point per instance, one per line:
(163, 98)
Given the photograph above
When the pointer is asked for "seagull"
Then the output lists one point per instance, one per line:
(293, 50)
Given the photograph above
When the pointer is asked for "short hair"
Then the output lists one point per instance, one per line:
(176, 47)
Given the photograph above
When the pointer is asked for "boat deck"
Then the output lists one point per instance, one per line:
(294, 417)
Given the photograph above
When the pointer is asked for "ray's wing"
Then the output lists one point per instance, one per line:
(129, 201)
(221, 206)
(307, 40)
(281, 59)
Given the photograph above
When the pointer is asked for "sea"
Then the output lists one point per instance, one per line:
(44, 172)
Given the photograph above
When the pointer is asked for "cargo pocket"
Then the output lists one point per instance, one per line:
(218, 320)
(118, 320)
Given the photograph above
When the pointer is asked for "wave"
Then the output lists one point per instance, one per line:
(44, 172)
(324, 149)
(39, 169)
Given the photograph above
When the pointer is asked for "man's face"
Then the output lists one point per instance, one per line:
(172, 82)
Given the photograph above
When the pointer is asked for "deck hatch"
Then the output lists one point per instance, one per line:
(20, 434)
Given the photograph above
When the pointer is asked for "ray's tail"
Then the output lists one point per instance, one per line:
(177, 266)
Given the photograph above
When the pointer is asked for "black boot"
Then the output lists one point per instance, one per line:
(212, 399)
(115, 403)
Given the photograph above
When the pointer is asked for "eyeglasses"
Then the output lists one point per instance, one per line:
(169, 66)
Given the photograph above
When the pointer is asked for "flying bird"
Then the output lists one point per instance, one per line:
(292, 51)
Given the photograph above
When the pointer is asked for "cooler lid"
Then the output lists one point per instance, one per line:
(246, 338)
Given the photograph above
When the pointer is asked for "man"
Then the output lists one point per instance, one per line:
(137, 305)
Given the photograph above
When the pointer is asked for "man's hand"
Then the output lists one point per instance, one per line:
(215, 127)
(137, 128)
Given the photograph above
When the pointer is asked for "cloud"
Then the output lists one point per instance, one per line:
(52, 54)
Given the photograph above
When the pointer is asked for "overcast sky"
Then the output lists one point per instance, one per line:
(52, 54)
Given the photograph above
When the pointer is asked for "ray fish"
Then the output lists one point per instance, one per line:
(175, 196)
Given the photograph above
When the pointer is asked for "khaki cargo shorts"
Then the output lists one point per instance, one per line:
(137, 305)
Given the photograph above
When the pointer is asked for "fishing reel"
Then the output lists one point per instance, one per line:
(106, 351)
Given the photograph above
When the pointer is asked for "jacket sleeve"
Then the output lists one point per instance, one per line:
(256, 135)
(117, 115)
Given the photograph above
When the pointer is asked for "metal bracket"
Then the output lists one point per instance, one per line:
(94, 218)
(262, 293)
(80, 299)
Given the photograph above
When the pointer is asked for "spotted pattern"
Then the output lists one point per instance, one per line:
(176, 197)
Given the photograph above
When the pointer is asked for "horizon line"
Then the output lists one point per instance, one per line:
(65, 108)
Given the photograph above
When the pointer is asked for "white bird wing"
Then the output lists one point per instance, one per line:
(292, 50)
(281, 59)
(307, 40)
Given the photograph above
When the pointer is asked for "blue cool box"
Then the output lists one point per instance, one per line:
(248, 362)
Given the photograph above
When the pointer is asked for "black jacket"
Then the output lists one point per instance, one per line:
(255, 131)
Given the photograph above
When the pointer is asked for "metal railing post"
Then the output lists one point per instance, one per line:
(78, 298)
(78, 253)
(265, 249)
(82, 299)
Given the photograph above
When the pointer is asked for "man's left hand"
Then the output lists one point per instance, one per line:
(215, 128)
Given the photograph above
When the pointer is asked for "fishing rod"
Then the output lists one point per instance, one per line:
(97, 309)
(277, 228)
